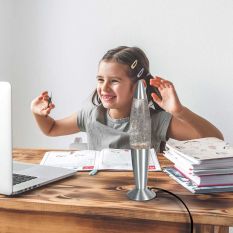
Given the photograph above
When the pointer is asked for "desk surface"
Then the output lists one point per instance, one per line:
(104, 197)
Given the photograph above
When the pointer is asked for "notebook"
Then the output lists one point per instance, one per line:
(17, 177)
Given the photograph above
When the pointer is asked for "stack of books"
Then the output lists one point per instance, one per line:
(202, 165)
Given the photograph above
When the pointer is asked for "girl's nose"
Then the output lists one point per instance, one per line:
(105, 86)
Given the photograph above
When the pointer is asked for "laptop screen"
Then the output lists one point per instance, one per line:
(6, 186)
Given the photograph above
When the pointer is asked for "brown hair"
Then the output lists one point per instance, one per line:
(126, 56)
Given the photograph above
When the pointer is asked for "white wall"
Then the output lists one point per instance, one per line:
(5, 39)
(56, 45)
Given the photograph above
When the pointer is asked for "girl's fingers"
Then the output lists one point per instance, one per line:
(157, 79)
(160, 83)
(45, 111)
(51, 105)
(155, 82)
(46, 98)
(45, 106)
(39, 98)
(156, 98)
(48, 111)
(168, 84)
(44, 93)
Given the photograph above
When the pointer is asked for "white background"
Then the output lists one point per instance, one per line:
(56, 45)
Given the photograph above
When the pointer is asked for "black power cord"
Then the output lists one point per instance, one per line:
(186, 207)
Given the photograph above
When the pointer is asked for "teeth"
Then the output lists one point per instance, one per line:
(107, 97)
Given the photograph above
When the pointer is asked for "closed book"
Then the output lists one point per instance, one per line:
(213, 171)
(203, 151)
(221, 167)
(192, 187)
(198, 169)
(207, 180)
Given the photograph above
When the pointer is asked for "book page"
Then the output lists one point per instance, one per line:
(77, 160)
(153, 162)
(120, 159)
(86, 160)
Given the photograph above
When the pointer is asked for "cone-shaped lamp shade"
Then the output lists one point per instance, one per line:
(140, 91)
(140, 121)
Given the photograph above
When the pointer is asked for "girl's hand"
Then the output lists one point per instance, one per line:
(41, 105)
(170, 101)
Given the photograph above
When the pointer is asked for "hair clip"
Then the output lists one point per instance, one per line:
(140, 73)
(134, 64)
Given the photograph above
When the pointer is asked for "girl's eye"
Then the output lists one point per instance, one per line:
(115, 81)
(100, 80)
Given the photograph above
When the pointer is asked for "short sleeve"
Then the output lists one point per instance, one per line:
(160, 121)
(83, 116)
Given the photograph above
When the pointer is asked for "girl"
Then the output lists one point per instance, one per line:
(106, 122)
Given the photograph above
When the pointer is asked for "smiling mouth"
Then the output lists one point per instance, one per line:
(107, 97)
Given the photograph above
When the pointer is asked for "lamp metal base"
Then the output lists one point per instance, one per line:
(141, 194)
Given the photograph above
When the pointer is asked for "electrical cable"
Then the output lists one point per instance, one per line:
(166, 191)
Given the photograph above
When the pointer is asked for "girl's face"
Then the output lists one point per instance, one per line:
(115, 89)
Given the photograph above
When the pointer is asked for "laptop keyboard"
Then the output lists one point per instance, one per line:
(17, 178)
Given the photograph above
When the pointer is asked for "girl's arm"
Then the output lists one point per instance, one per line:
(184, 123)
(48, 125)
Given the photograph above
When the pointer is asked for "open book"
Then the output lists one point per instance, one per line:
(106, 159)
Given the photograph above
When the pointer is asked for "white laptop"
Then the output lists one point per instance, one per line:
(16, 177)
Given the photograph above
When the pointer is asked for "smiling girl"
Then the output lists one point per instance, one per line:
(106, 121)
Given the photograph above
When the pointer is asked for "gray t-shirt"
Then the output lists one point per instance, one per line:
(105, 132)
